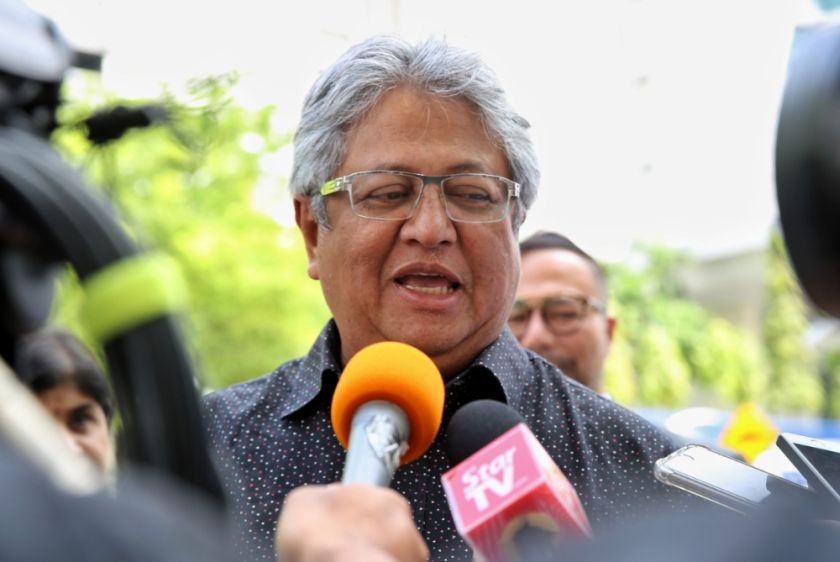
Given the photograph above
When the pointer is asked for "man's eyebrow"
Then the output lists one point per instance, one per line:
(462, 168)
(469, 167)
(390, 168)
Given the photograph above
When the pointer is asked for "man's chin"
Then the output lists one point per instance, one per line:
(432, 343)
(568, 366)
(447, 348)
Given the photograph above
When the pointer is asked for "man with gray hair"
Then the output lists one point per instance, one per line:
(412, 175)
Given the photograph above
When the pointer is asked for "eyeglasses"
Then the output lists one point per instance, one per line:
(386, 195)
(561, 314)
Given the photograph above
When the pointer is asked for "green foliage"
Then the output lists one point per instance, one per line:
(666, 376)
(679, 352)
(729, 362)
(203, 189)
(661, 327)
(619, 372)
(188, 188)
(676, 352)
(794, 383)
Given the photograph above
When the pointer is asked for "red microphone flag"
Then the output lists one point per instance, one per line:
(509, 483)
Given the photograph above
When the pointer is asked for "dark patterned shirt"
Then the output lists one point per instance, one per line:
(273, 434)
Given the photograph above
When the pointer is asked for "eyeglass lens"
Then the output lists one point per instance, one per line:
(561, 315)
(468, 198)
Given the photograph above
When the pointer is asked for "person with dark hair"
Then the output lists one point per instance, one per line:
(68, 381)
(560, 309)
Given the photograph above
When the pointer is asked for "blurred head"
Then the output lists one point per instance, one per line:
(33, 59)
(560, 309)
(807, 163)
(430, 261)
(69, 383)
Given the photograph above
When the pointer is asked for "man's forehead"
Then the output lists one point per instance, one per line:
(415, 131)
(416, 106)
(554, 270)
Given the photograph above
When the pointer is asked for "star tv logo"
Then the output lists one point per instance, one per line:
(495, 476)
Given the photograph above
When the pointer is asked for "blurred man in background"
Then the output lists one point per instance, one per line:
(560, 309)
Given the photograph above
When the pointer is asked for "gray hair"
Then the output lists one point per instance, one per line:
(350, 88)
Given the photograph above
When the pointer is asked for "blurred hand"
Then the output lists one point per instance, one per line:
(347, 523)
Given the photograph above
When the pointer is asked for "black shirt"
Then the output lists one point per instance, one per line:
(151, 519)
(273, 434)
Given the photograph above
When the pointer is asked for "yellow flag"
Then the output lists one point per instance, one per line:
(749, 431)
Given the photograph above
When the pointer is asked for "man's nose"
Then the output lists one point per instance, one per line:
(429, 225)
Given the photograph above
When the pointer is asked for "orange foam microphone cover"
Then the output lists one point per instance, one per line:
(397, 373)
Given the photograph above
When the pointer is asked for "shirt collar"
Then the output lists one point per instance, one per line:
(305, 385)
(508, 363)
(504, 360)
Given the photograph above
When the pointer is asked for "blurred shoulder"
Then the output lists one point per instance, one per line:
(230, 405)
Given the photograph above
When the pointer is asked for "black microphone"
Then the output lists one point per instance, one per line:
(476, 424)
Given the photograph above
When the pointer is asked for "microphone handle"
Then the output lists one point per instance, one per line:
(378, 439)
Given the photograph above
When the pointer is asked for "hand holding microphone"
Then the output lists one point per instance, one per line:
(386, 411)
(348, 523)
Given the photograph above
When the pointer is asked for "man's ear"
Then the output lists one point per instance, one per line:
(611, 322)
(305, 219)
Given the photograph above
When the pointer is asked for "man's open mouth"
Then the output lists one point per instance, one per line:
(430, 284)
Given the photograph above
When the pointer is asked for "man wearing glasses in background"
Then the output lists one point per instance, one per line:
(411, 177)
(560, 309)
(561, 312)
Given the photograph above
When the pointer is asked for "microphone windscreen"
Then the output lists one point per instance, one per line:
(397, 373)
(475, 425)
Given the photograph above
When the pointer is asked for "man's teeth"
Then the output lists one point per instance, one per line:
(432, 290)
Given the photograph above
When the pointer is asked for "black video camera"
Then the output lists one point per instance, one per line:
(50, 218)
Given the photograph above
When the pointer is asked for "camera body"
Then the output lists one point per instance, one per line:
(808, 164)
(34, 58)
